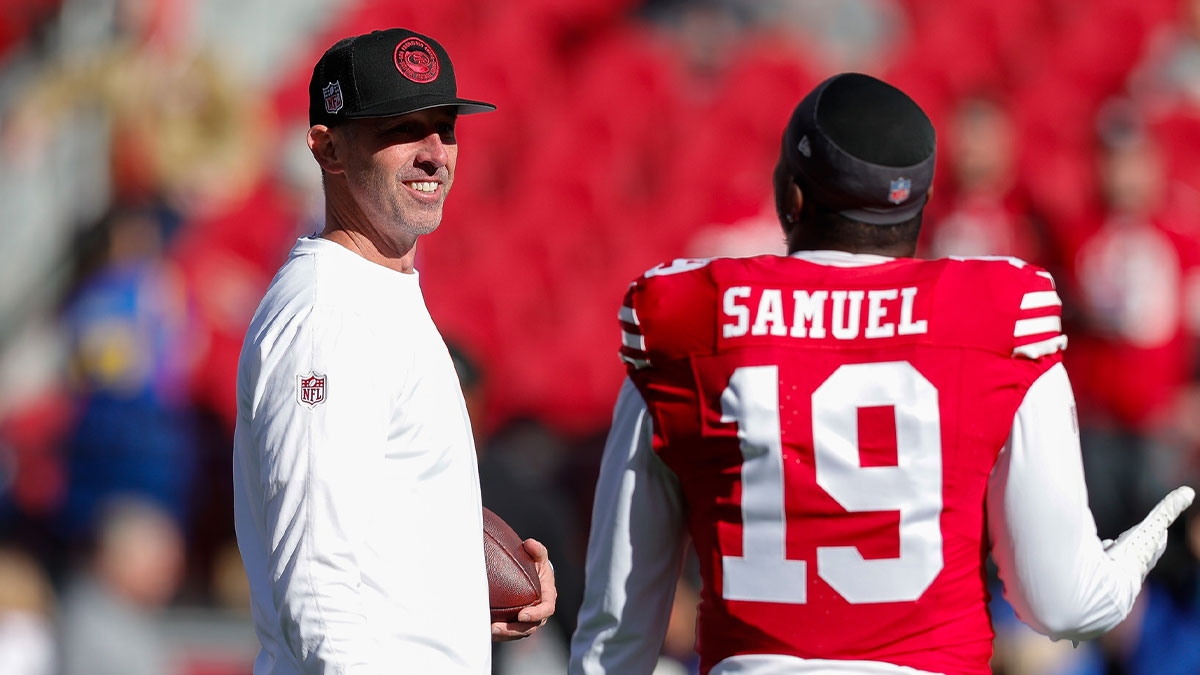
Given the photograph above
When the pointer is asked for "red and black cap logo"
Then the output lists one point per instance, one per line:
(416, 60)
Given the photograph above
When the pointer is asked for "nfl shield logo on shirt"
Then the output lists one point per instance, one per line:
(312, 389)
(333, 97)
(900, 190)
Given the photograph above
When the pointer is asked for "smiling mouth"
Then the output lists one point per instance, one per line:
(423, 186)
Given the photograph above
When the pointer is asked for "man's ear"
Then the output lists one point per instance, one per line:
(324, 148)
(788, 198)
(797, 202)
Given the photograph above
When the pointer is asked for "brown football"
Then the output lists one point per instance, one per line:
(513, 582)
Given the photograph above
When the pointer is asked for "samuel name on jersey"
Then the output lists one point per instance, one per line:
(801, 313)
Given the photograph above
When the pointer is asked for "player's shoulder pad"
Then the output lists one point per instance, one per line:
(1037, 308)
(667, 285)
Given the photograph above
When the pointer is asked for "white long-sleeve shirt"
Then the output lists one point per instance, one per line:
(357, 504)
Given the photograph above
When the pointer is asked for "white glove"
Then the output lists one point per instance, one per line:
(1140, 547)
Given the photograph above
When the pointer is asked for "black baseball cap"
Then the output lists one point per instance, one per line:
(861, 148)
(381, 74)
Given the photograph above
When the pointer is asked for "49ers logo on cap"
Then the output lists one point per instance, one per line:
(312, 389)
(416, 61)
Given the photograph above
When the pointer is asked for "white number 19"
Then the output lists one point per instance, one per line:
(913, 487)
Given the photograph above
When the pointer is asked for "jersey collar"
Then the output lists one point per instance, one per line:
(841, 258)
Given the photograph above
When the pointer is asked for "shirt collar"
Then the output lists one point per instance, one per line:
(841, 258)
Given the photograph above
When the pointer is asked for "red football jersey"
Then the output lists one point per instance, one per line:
(833, 429)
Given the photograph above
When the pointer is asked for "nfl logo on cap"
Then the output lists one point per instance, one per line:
(333, 97)
(900, 190)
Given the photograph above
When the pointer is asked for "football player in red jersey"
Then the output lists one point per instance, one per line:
(844, 433)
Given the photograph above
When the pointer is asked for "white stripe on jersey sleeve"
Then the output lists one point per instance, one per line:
(636, 363)
(628, 315)
(633, 343)
(1040, 299)
(1036, 350)
(1037, 330)
(1037, 325)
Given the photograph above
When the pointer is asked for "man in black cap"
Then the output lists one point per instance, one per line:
(357, 504)
(834, 430)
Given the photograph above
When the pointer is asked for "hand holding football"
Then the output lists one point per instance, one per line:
(513, 582)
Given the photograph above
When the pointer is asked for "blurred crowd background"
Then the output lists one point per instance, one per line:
(153, 175)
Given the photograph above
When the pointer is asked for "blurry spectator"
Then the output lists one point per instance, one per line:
(518, 478)
(123, 110)
(1131, 350)
(1167, 84)
(705, 34)
(111, 610)
(179, 126)
(1169, 75)
(26, 630)
(982, 212)
(128, 329)
(846, 35)
(751, 236)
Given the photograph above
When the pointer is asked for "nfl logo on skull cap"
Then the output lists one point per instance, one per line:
(312, 389)
(900, 190)
(333, 97)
